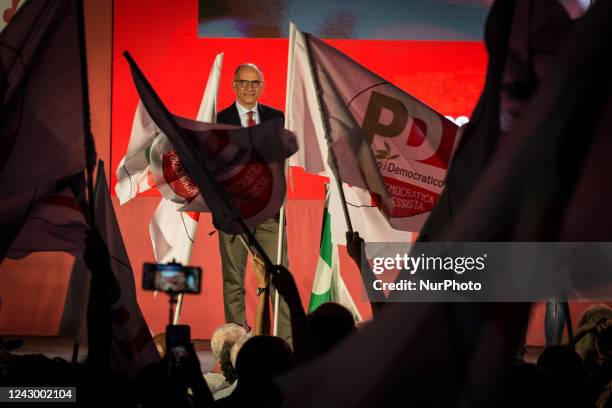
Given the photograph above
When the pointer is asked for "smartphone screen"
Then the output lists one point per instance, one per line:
(172, 278)
(177, 339)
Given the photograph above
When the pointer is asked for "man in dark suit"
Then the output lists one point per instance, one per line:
(246, 112)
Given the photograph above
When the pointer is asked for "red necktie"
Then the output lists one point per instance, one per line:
(250, 120)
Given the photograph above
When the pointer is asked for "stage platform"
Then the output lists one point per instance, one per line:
(53, 346)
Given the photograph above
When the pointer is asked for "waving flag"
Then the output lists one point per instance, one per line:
(236, 172)
(385, 140)
(545, 184)
(173, 232)
(41, 60)
(57, 223)
(132, 346)
(133, 173)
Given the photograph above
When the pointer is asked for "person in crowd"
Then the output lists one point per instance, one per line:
(526, 386)
(223, 374)
(330, 323)
(594, 345)
(315, 333)
(259, 361)
(565, 369)
(594, 320)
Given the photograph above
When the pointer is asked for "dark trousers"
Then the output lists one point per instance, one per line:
(554, 325)
(233, 265)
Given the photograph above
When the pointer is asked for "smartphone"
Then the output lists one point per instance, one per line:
(172, 278)
(178, 337)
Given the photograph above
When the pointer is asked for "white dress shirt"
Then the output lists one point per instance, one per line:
(243, 113)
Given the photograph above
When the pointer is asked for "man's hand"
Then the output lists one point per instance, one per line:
(259, 269)
(353, 245)
(285, 284)
(195, 380)
(193, 369)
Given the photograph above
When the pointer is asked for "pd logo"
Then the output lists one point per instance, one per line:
(176, 177)
(413, 145)
(428, 136)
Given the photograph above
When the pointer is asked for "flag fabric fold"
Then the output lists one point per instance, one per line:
(133, 173)
(173, 232)
(40, 59)
(56, 224)
(539, 172)
(365, 217)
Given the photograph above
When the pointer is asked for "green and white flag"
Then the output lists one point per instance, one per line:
(328, 285)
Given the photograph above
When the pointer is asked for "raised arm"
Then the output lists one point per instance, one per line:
(262, 315)
(304, 346)
(104, 290)
(354, 245)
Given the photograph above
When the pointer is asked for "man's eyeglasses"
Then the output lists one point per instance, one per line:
(243, 83)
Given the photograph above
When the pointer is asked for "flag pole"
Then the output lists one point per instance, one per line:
(281, 218)
(177, 310)
(201, 173)
(279, 256)
(333, 161)
(90, 147)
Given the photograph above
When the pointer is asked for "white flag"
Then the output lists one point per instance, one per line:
(134, 173)
(376, 131)
(173, 232)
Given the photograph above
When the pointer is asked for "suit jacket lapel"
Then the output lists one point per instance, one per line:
(234, 117)
(263, 112)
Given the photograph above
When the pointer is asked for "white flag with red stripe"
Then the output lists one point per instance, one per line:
(173, 232)
(134, 172)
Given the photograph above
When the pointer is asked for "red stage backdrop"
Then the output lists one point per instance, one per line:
(163, 39)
